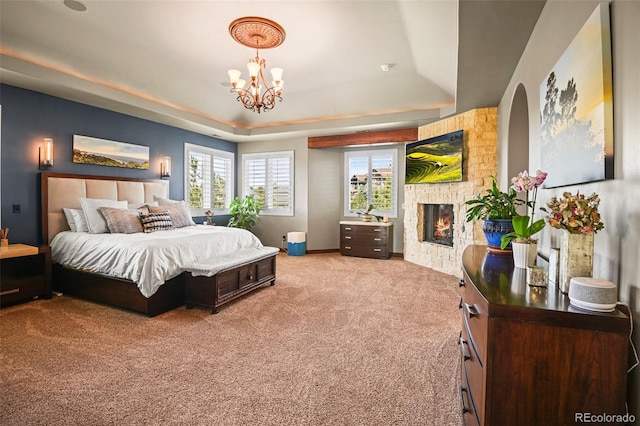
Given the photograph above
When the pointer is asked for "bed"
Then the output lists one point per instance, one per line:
(150, 273)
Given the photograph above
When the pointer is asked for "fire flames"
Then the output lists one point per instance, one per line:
(442, 228)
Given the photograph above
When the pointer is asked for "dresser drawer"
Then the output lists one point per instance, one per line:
(366, 239)
(21, 289)
(359, 250)
(469, 416)
(475, 318)
(363, 230)
(472, 370)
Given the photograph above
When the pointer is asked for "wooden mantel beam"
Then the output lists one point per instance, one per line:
(366, 138)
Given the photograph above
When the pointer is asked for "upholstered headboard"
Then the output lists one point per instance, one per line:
(65, 190)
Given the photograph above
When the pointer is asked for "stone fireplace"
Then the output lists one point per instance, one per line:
(444, 253)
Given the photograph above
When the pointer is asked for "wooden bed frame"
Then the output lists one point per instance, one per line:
(109, 290)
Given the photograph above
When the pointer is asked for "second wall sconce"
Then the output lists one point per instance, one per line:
(165, 167)
(45, 155)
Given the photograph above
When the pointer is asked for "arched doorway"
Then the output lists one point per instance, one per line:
(518, 143)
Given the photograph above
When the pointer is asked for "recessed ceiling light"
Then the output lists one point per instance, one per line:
(75, 5)
(385, 67)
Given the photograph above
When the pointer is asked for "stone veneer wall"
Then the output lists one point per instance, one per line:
(480, 160)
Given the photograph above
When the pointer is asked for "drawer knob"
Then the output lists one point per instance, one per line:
(471, 309)
(377, 230)
(461, 283)
(377, 249)
(348, 228)
(347, 247)
(377, 239)
(249, 276)
(347, 237)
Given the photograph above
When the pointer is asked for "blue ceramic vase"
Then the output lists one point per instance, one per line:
(494, 229)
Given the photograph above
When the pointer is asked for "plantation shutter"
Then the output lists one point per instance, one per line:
(269, 178)
(222, 190)
(209, 178)
(371, 178)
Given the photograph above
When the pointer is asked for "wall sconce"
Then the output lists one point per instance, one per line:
(165, 167)
(45, 155)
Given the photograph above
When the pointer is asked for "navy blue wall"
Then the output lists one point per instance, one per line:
(28, 117)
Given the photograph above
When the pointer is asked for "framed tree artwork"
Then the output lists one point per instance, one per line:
(576, 111)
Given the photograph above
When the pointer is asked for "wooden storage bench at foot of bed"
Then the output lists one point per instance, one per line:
(229, 284)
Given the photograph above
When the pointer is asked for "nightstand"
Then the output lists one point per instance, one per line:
(25, 273)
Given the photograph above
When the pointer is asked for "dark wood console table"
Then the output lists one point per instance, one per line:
(528, 357)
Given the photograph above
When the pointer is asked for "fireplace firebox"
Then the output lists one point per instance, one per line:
(438, 224)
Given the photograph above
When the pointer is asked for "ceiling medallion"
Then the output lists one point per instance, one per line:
(257, 33)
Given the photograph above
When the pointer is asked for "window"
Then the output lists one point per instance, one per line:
(268, 176)
(371, 178)
(209, 179)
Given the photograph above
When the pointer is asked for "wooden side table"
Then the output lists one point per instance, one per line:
(25, 273)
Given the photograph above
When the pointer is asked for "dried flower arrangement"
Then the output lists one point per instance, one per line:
(575, 213)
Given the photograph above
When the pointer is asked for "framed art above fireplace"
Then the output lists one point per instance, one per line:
(434, 160)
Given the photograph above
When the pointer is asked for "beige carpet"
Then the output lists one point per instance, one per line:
(337, 341)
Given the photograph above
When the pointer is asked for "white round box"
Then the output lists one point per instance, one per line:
(593, 294)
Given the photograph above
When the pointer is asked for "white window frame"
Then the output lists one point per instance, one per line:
(213, 153)
(393, 213)
(274, 211)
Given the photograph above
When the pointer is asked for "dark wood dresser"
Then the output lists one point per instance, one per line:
(528, 357)
(366, 239)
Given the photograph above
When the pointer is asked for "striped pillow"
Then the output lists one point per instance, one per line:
(153, 222)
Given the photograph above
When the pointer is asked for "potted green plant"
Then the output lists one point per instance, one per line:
(367, 215)
(244, 213)
(497, 209)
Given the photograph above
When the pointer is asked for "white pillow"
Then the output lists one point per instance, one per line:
(95, 220)
(76, 220)
(166, 201)
(70, 221)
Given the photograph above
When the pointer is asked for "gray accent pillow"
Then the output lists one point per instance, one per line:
(167, 202)
(179, 214)
(122, 221)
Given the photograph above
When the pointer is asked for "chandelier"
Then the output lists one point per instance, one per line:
(258, 33)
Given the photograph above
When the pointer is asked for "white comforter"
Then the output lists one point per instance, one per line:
(151, 259)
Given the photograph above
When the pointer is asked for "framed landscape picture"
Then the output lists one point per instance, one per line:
(576, 108)
(102, 152)
(435, 160)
